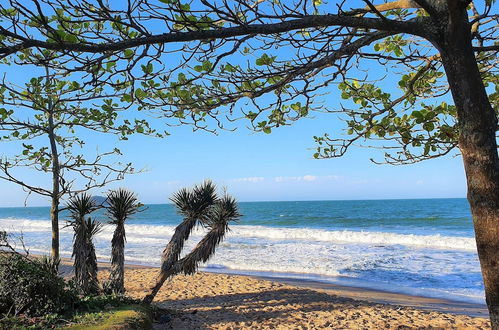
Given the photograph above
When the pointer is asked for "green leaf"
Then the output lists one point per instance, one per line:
(128, 53)
(429, 126)
(140, 94)
(147, 69)
(127, 98)
(207, 65)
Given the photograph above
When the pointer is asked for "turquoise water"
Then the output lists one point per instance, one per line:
(422, 246)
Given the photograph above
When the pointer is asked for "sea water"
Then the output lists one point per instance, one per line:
(423, 246)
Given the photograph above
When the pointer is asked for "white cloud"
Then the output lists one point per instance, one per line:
(252, 179)
(307, 177)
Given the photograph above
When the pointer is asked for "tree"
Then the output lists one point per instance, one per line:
(199, 206)
(228, 62)
(120, 205)
(48, 116)
(85, 228)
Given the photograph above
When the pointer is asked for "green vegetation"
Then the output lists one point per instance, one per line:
(109, 316)
(32, 287)
(124, 317)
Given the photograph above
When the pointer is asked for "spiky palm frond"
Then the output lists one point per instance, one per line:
(81, 205)
(121, 204)
(193, 203)
(222, 212)
(217, 219)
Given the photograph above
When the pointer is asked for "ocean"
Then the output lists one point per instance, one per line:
(423, 246)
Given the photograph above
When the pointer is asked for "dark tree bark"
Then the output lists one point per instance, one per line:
(477, 141)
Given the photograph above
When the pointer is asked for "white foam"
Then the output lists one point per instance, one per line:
(429, 263)
(158, 234)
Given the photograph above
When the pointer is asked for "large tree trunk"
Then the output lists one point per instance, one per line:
(477, 141)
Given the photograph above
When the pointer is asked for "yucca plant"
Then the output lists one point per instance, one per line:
(120, 205)
(85, 228)
(217, 221)
(202, 206)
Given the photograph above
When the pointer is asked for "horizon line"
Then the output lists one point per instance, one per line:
(290, 201)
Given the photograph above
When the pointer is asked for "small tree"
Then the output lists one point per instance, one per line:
(121, 204)
(85, 228)
(202, 206)
(47, 117)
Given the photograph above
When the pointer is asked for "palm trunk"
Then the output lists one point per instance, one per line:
(477, 126)
(91, 263)
(171, 254)
(188, 265)
(118, 259)
(79, 254)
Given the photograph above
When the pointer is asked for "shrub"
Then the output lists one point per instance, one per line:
(32, 287)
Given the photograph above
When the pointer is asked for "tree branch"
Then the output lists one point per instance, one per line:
(312, 21)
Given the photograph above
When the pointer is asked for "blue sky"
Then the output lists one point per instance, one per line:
(261, 167)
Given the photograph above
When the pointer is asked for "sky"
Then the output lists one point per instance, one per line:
(263, 167)
(256, 166)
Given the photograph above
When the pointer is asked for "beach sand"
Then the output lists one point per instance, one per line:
(220, 301)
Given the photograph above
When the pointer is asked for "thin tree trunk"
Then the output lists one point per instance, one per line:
(477, 141)
(54, 210)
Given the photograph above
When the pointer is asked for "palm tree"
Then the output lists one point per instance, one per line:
(217, 221)
(121, 204)
(85, 260)
(199, 206)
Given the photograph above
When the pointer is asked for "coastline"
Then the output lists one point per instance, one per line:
(361, 294)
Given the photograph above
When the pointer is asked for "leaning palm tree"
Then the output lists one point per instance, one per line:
(121, 204)
(217, 221)
(199, 206)
(85, 260)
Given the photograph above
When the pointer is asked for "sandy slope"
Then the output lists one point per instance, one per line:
(219, 301)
